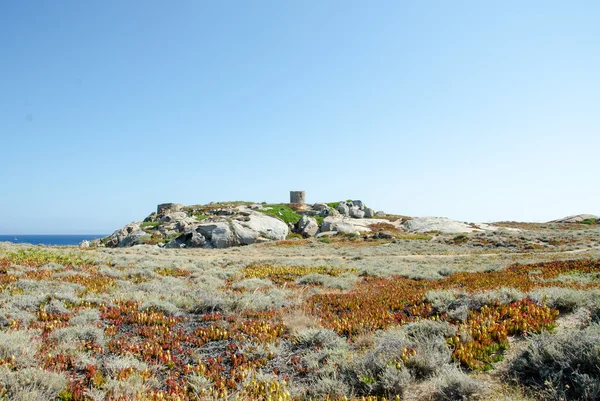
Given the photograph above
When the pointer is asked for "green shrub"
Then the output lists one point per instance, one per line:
(149, 224)
(282, 212)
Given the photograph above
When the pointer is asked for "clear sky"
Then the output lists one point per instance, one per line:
(474, 110)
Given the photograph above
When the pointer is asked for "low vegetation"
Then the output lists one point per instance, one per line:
(302, 319)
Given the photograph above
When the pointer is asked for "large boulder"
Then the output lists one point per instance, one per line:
(320, 206)
(350, 225)
(190, 239)
(119, 235)
(164, 208)
(343, 208)
(173, 217)
(369, 213)
(243, 234)
(307, 226)
(358, 203)
(267, 226)
(218, 233)
(356, 212)
(445, 225)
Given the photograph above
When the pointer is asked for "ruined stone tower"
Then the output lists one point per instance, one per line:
(297, 197)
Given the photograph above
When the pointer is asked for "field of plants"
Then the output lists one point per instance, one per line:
(420, 319)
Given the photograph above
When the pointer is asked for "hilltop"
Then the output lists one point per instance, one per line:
(229, 224)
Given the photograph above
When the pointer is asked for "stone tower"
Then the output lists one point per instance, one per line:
(297, 197)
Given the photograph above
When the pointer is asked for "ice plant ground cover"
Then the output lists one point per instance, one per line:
(311, 320)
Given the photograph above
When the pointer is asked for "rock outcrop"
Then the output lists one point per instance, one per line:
(444, 225)
(579, 218)
(174, 225)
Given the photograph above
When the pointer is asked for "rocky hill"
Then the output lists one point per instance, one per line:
(222, 225)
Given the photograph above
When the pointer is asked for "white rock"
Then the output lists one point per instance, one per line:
(444, 225)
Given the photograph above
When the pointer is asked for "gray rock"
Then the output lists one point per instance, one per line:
(326, 226)
(244, 235)
(134, 238)
(191, 239)
(358, 203)
(173, 217)
(112, 242)
(187, 224)
(120, 234)
(164, 208)
(84, 244)
(356, 213)
(175, 244)
(343, 208)
(320, 206)
(223, 237)
(218, 233)
(369, 213)
(307, 226)
(151, 217)
(380, 213)
(326, 212)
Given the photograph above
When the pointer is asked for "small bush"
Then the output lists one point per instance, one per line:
(207, 303)
(74, 336)
(328, 387)
(563, 299)
(158, 305)
(252, 284)
(453, 385)
(31, 384)
(322, 338)
(393, 381)
(502, 296)
(20, 345)
(85, 317)
(563, 366)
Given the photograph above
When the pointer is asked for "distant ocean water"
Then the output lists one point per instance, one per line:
(48, 239)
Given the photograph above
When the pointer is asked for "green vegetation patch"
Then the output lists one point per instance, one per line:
(149, 224)
(281, 274)
(282, 212)
(39, 257)
(200, 216)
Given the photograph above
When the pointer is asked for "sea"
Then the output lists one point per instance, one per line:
(48, 239)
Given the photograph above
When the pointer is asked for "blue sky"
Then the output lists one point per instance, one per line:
(479, 111)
